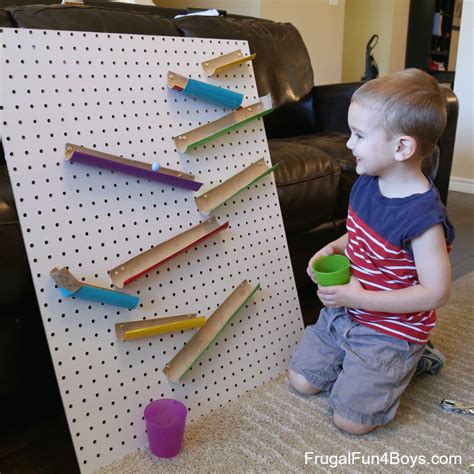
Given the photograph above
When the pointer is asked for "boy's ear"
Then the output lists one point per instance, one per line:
(405, 148)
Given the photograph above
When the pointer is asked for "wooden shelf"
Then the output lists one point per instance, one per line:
(429, 34)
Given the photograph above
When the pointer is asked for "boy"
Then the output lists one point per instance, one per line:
(368, 339)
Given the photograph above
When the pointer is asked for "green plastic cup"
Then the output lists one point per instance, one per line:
(332, 270)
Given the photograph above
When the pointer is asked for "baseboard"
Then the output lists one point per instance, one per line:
(462, 185)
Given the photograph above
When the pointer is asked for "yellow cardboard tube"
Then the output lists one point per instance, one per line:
(156, 329)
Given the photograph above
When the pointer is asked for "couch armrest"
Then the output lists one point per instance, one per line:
(446, 145)
(331, 103)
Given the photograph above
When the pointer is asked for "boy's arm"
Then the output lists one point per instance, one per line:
(340, 244)
(434, 276)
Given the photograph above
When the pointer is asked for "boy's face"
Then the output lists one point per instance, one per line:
(374, 152)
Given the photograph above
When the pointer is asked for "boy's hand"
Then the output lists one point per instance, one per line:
(348, 295)
(329, 249)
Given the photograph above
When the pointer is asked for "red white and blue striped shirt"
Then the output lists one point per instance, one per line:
(379, 233)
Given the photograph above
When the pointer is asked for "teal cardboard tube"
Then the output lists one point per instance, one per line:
(102, 295)
(214, 94)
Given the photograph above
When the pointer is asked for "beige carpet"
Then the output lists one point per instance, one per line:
(271, 428)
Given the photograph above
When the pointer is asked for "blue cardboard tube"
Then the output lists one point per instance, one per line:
(213, 94)
(102, 295)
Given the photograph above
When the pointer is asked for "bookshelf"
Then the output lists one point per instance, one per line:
(430, 27)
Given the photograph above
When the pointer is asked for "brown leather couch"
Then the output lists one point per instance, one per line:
(306, 134)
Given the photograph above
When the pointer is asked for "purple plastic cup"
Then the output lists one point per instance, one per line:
(165, 420)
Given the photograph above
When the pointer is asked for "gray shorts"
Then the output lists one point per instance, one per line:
(365, 371)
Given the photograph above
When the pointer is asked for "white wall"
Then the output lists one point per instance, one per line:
(322, 27)
(239, 7)
(453, 50)
(363, 18)
(320, 24)
(462, 176)
(401, 11)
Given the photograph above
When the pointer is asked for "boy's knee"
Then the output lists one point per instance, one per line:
(352, 427)
(300, 383)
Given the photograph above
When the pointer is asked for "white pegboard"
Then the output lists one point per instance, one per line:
(108, 92)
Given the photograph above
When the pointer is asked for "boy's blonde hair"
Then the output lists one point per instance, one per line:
(408, 102)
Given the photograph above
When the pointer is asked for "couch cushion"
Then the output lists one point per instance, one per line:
(307, 183)
(7, 204)
(282, 65)
(334, 144)
(92, 18)
(314, 180)
(13, 263)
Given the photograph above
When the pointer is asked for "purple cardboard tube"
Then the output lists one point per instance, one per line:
(139, 169)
